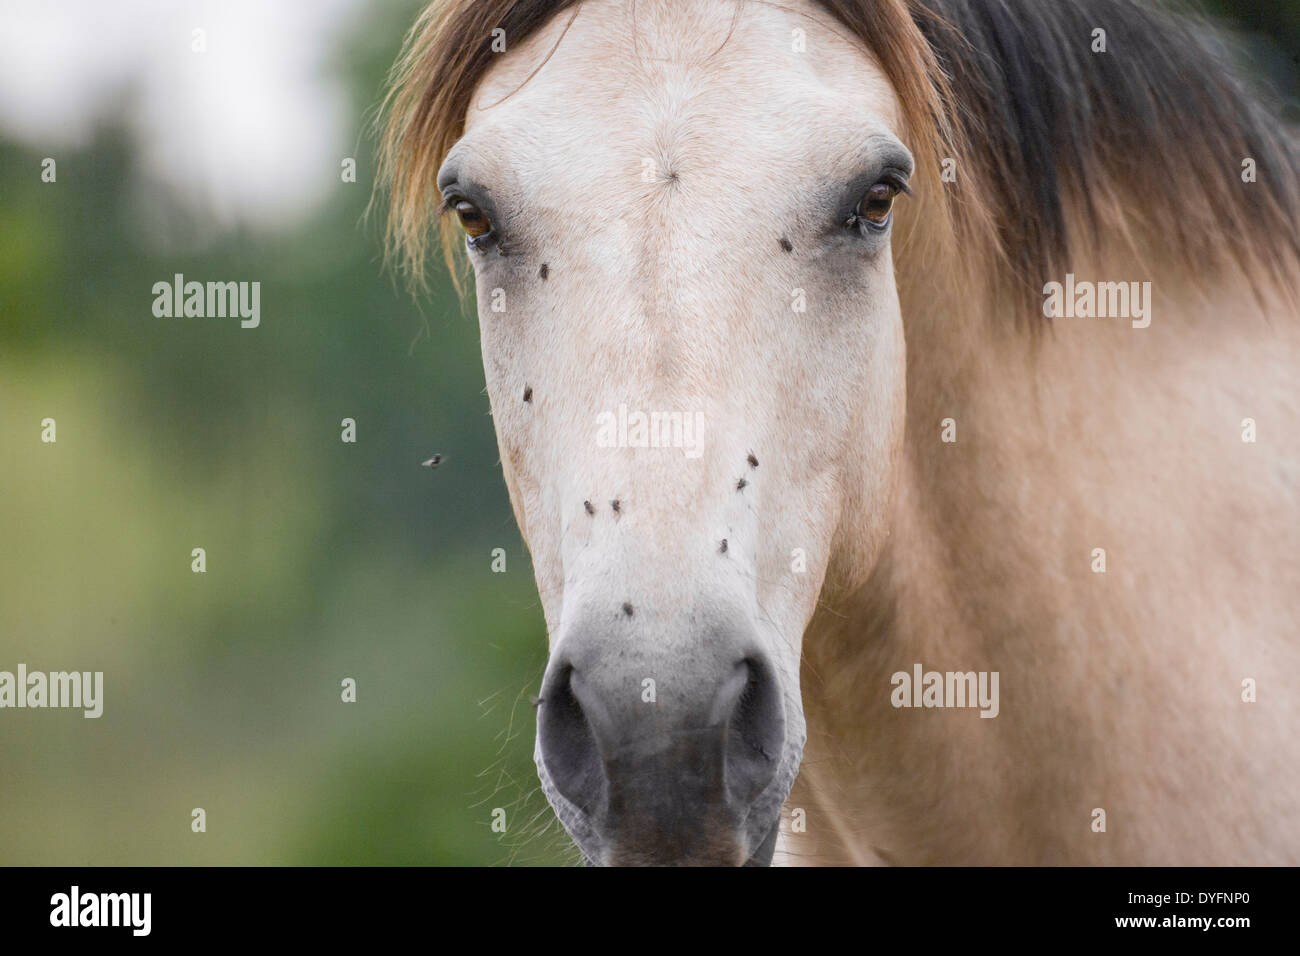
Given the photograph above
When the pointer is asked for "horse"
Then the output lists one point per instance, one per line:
(854, 361)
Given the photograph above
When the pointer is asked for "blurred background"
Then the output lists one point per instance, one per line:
(325, 560)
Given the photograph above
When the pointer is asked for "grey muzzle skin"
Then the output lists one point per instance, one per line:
(664, 768)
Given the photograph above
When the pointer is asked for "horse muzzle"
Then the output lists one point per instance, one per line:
(668, 758)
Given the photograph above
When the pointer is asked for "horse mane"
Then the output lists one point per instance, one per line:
(447, 51)
(1142, 144)
(1054, 145)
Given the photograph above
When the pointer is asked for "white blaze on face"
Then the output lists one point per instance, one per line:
(682, 194)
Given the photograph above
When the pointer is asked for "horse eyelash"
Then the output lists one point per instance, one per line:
(477, 243)
(899, 182)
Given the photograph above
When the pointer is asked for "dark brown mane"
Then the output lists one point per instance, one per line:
(1159, 124)
(1055, 145)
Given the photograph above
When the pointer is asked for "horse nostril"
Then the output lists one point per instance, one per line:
(568, 743)
(755, 729)
(670, 778)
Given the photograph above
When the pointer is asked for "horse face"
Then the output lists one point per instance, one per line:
(694, 357)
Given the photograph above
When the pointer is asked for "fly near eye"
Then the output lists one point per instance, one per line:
(472, 219)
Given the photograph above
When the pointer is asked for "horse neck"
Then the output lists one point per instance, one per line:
(1066, 438)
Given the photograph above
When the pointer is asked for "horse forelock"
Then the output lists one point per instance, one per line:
(1055, 148)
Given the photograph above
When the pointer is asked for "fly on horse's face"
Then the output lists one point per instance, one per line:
(667, 225)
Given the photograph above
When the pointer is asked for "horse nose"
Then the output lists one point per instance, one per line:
(663, 767)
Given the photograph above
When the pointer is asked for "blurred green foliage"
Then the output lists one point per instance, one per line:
(325, 560)
(1267, 37)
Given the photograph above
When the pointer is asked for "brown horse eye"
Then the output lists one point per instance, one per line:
(877, 203)
(472, 219)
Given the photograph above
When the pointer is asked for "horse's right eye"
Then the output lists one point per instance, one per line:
(877, 204)
(473, 220)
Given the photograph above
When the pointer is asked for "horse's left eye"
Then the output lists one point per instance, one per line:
(876, 205)
(472, 220)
